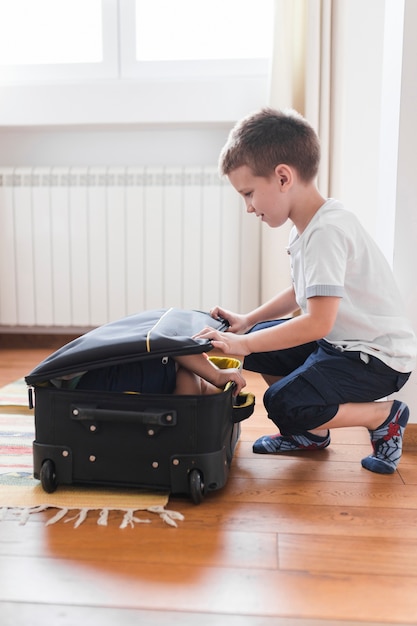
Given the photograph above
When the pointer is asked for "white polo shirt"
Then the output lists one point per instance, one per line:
(335, 256)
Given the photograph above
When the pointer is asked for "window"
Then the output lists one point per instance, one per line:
(132, 61)
(179, 30)
(186, 38)
(155, 38)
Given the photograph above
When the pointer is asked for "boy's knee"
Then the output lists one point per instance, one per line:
(293, 412)
(279, 404)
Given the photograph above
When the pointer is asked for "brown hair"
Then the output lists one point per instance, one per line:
(269, 138)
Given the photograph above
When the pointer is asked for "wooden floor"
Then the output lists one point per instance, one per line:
(296, 540)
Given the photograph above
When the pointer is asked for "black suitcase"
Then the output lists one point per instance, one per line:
(180, 444)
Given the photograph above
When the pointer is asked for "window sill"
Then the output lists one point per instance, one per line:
(201, 100)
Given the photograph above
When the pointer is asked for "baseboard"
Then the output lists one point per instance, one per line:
(41, 341)
(410, 437)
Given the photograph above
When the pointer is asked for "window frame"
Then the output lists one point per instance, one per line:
(121, 90)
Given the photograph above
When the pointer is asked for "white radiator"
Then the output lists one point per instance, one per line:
(80, 247)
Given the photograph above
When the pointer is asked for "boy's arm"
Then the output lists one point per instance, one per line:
(203, 367)
(311, 326)
(280, 306)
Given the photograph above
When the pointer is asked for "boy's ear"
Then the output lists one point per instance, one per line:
(284, 175)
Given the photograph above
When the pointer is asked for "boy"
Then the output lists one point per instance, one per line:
(352, 344)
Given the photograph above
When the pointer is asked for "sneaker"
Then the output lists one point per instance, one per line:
(273, 444)
(387, 441)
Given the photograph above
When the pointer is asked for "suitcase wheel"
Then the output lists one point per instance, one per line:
(196, 484)
(47, 476)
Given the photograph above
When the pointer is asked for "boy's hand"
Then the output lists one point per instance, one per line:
(231, 375)
(237, 323)
(227, 342)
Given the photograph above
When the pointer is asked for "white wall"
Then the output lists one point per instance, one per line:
(357, 75)
(115, 145)
(405, 248)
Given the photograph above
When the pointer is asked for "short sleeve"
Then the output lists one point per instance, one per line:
(326, 255)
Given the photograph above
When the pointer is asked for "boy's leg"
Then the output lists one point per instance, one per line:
(332, 390)
(385, 421)
(190, 384)
(387, 441)
(187, 383)
(274, 367)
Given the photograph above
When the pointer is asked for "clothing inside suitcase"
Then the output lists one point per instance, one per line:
(180, 444)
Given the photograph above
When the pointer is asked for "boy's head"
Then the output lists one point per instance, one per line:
(268, 138)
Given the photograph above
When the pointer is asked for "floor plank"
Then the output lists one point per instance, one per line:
(70, 615)
(310, 470)
(214, 547)
(341, 520)
(286, 491)
(17, 363)
(209, 589)
(347, 555)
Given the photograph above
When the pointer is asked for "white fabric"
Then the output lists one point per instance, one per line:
(335, 256)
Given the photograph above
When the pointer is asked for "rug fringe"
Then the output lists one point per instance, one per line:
(130, 520)
(53, 520)
(168, 517)
(103, 517)
(129, 517)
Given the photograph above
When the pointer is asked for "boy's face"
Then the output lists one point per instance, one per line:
(263, 196)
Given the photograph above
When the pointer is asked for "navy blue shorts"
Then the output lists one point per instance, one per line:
(316, 379)
(148, 376)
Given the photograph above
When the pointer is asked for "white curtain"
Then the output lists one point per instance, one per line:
(301, 77)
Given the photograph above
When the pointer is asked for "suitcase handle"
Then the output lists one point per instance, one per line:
(148, 418)
(243, 407)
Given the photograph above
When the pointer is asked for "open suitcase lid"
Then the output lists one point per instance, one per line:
(163, 332)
